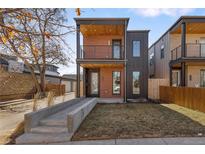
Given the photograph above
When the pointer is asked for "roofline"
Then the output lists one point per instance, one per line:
(138, 31)
(87, 19)
(101, 20)
(178, 21)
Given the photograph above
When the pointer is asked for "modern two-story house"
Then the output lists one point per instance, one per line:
(112, 59)
(179, 54)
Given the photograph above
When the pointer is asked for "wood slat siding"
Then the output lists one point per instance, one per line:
(59, 89)
(193, 98)
(153, 87)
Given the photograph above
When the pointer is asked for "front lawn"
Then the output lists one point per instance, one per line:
(136, 120)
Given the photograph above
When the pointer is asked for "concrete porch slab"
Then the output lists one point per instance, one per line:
(110, 100)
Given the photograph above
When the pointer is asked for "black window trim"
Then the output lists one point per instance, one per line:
(139, 82)
(139, 48)
(162, 57)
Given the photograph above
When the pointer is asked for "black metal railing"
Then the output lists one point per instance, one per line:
(102, 52)
(193, 50)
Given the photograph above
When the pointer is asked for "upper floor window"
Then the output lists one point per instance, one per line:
(116, 47)
(136, 48)
(162, 52)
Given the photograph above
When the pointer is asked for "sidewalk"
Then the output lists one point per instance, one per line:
(143, 141)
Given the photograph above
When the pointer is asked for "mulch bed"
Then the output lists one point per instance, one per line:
(136, 120)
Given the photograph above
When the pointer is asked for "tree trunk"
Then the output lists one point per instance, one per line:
(42, 82)
(36, 82)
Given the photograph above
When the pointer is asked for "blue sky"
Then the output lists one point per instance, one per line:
(156, 20)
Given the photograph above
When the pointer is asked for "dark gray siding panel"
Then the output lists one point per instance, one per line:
(137, 63)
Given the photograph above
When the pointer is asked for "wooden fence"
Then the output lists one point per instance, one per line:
(153, 87)
(58, 89)
(193, 98)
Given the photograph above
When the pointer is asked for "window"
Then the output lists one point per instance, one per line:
(116, 48)
(202, 78)
(135, 82)
(162, 52)
(175, 78)
(136, 48)
(116, 83)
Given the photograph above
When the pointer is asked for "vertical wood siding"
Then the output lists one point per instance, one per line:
(192, 98)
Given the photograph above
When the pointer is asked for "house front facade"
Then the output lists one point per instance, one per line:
(112, 60)
(179, 54)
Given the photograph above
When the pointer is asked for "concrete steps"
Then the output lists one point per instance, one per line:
(52, 122)
(49, 129)
(39, 138)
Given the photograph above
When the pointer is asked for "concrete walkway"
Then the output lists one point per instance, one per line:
(10, 119)
(143, 141)
(53, 128)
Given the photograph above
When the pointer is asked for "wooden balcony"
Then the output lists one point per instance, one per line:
(193, 51)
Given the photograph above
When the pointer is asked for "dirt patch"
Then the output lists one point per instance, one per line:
(112, 121)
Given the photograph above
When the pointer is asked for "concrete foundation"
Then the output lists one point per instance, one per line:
(76, 117)
(32, 119)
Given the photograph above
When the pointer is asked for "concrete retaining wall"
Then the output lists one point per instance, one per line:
(76, 117)
(32, 119)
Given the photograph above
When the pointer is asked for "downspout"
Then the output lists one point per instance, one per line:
(77, 64)
(183, 53)
(125, 68)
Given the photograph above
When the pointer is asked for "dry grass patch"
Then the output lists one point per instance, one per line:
(111, 121)
(194, 115)
(10, 136)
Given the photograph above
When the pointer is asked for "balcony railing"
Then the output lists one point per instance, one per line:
(102, 52)
(196, 50)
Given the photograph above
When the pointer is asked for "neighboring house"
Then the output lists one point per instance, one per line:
(16, 80)
(5, 60)
(114, 60)
(50, 70)
(11, 65)
(179, 54)
(4, 63)
(69, 80)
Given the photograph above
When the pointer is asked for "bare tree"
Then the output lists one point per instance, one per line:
(37, 37)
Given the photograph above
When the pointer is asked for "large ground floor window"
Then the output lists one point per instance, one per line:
(116, 82)
(135, 82)
(175, 78)
(202, 78)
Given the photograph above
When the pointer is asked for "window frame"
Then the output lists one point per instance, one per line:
(202, 70)
(139, 83)
(120, 41)
(112, 83)
(162, 49)
(133, 48)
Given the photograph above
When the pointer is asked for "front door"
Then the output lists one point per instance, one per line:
(175, 78)
(93, 83)
(202, 41)
(116, 49)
